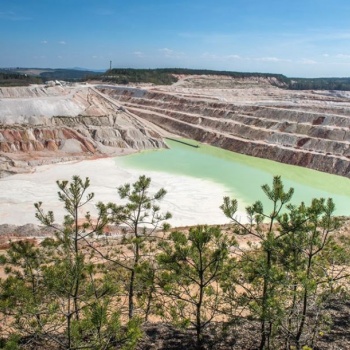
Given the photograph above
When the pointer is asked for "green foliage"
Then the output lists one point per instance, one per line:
(27, 76)
(69, 75)
(310, 259)
(165, 76)
(319, 84)
(140, 217)
(125, 76)
(12, 343)
(17, 79)
(141, 210)
(191, 267)
(58, 292)
(23, 294)
(77, 289)
(263, 275)
(290, 273)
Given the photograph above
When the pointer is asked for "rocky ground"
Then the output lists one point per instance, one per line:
(244, 335)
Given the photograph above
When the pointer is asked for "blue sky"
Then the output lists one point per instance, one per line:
(299, 38)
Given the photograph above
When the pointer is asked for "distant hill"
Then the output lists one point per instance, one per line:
(319, 84)
(40, 75)
(69, 74)
(163, 76)
(129, 75)
(17, 79)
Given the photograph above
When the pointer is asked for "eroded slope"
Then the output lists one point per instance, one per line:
(41, 124)
(252, 117)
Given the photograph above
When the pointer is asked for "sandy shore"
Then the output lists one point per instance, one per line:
(191, 201)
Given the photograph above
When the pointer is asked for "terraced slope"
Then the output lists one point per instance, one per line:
(309, 129)
(43, 125)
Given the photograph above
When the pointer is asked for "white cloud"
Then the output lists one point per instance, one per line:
(44, 42)
(306, 61)
(337, 56)
(62, 42)
(212, 56)
(166, 51)
(231, 57)
(169, 53)
(272, 59)
(235, 57)
(210, 37)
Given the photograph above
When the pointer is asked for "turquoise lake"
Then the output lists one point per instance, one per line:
(242, 175)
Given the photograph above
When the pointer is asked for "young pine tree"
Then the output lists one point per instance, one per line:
(191, 268)
(132, 257)
(266, 304)
(85, 296)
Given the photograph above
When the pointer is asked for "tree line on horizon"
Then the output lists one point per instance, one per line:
(14, 77)
(165, 76)
(84, 289)
(17, 79)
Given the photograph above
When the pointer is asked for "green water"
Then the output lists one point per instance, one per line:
(242, 175)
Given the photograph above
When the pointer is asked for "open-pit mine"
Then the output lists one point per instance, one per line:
(255, 116)
(249, 115)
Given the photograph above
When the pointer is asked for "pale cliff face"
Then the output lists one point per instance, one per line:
(50, 124)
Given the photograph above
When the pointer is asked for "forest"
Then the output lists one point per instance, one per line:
(342, 84)
(166, 76)
(24, 77)
(161, 76)
(124, 279)
(17, 79)
(68, 75)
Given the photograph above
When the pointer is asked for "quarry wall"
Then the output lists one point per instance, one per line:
(315, 136)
